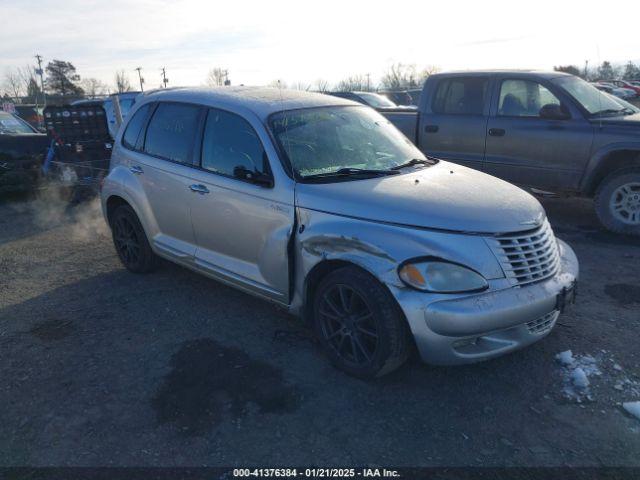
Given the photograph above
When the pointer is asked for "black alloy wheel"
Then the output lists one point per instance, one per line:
(359, 323)
(131, 241)
(348, 325)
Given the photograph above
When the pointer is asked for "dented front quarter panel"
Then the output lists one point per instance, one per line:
(380, 248)
(437, 322)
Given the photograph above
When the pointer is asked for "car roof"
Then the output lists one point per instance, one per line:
(262, 101)
(516, 73)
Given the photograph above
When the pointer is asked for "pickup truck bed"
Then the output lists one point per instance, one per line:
(405, 121)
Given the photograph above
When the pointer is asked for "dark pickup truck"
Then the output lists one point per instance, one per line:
(551, 132)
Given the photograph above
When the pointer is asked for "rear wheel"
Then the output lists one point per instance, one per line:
(359, 324)
(131, 242)
(617, 201)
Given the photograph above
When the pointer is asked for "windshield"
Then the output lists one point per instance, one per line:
(376, 101)
(592, 99)
(10, 125)
(327, 139)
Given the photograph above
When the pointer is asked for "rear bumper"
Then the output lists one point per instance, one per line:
(477, 327)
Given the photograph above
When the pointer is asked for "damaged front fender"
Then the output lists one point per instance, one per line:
(379, 248)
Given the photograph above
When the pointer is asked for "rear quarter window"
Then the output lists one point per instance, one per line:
(171, 131)
(131, 135)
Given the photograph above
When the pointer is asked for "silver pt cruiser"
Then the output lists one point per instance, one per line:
(320, 205)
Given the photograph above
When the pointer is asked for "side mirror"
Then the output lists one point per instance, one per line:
(258, 178)
(553, 111)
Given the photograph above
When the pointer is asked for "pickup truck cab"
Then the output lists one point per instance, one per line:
(550, 131)
(319, 205)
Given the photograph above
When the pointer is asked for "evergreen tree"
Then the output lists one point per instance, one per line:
(62, 78)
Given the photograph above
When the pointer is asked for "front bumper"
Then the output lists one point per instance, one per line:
(476, 327)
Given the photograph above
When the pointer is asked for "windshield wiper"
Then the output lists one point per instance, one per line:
(412, 162)
(351, 172)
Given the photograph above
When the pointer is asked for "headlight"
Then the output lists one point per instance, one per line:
(441, 277)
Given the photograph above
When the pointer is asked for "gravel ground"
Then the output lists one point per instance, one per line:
(102, 367)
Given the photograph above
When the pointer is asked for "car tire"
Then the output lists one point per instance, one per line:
(359, 324)
(131, 242)
(617, 201)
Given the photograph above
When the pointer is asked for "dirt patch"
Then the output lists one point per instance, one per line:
(54, 329)
(209, 380)
(624, 293)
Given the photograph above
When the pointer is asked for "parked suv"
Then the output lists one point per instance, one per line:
(547, 130)
(320, 205)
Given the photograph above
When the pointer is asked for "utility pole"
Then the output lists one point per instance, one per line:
(165, 80)
(139, 69)
(586, 69)
(40, 72)
(368, 82)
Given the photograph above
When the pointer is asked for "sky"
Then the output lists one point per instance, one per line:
(303, 41)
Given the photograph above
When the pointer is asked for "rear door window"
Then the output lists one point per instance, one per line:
(230, 145)
(131, 135)
(171, 132)
(461, 96)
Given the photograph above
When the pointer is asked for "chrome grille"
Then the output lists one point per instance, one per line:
(544, 323)
(527, 257)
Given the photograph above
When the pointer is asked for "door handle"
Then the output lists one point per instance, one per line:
(198, 188)
(431, 128)
(136, 169)
(497, 132)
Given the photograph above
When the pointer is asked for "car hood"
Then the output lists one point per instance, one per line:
(445, 196)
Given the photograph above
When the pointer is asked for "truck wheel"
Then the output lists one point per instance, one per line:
(131, 242)
(359, 324)
(617, 201)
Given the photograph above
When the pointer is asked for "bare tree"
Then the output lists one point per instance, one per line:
(400, 76)
(300, 86)
(427, 71)
(217, 77)
(122, 82)
(322, 85)
(12, 84)
(93, 87)
(27, 75)
(354, 83)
